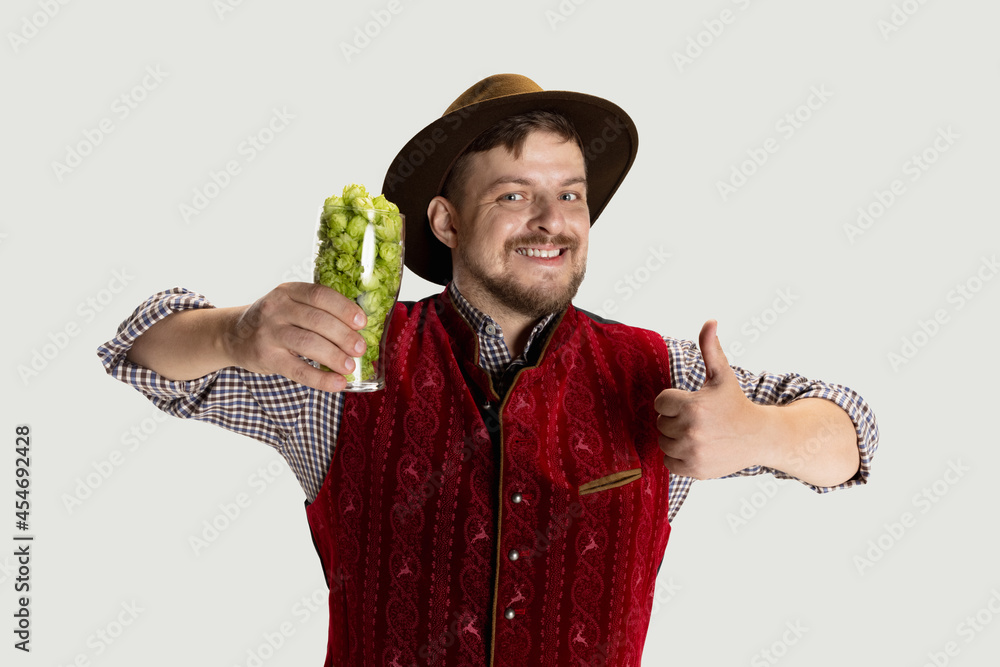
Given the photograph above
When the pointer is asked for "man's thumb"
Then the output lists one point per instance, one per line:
(716, 364)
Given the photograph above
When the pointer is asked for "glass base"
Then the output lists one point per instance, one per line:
(365, 385)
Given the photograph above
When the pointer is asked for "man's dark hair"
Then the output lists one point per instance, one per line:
(510, 133)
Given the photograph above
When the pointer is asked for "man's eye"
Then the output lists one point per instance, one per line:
(512, 196)
(569, 196)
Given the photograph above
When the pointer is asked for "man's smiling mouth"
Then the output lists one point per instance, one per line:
(539, 252)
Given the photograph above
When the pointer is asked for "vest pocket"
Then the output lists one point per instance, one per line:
(611, 481)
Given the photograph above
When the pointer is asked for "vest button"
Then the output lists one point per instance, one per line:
(509, 613)
(515, 498)
(513, 555)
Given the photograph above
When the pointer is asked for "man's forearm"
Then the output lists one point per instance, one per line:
(812, 439)
(186, 345)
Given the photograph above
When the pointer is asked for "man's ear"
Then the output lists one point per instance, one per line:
(443, 218)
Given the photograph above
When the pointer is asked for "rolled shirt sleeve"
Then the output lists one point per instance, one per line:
(267, 408)
(687, 372)
(180, 398)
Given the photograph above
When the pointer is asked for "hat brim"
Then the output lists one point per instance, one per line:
(417, 174)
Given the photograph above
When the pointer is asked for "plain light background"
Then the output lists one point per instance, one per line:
(894, 76)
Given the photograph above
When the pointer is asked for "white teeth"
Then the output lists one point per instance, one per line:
(535, 252)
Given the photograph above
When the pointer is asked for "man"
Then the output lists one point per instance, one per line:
(507, 498)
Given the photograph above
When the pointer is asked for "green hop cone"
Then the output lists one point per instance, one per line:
(371, 338)
(375, 303)
(388, 227)
(390, 266)
(345, 243)
(390, 252)
(364, 205)
(336, 224)
(356, 196)
(331, 204)
(356, 226)
(345, 263)
(383, 204)
(325, 266)
(375, 326)
(378, 277)
(346, 285)
(352, 192)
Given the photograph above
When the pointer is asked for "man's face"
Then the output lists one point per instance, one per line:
(523, 227)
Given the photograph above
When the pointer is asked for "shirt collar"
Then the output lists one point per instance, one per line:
(484, 325)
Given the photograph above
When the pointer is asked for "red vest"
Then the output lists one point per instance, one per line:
(459, 527)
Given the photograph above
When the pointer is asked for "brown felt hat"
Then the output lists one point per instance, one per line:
(418, 172)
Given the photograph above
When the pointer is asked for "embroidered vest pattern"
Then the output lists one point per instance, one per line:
(459, 527)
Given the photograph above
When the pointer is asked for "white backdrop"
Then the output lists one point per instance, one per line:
(889, 107)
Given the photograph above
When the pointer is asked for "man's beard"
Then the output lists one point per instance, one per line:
(530, 301)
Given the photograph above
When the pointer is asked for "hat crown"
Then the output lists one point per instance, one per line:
(494, 87)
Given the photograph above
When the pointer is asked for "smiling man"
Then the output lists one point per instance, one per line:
(507, 498)
(519, 228)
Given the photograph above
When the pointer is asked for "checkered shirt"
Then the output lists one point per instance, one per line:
(267, 407)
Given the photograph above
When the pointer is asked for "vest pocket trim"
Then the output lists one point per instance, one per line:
(611, 481)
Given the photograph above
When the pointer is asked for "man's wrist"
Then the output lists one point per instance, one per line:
(770, 439)
(226, 335)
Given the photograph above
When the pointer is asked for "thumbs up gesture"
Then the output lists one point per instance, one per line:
(716, 430)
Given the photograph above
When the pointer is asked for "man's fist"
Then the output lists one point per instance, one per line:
(712, 432)
(295, 319)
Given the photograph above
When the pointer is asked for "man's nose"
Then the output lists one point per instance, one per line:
(547, 217)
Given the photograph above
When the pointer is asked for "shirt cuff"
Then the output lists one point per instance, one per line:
(155, 308)
(865, 426)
